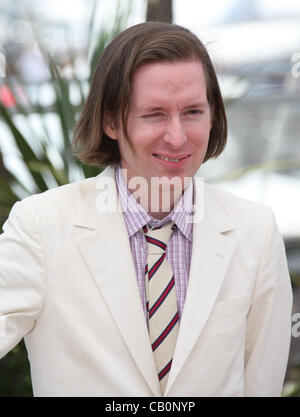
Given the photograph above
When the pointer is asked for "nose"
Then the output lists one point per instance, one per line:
(175, 134)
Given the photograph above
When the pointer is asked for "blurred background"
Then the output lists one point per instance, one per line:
(47, 55)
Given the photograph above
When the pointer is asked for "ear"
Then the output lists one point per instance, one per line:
(109, 126)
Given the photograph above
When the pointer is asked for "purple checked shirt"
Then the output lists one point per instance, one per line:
(179, 248)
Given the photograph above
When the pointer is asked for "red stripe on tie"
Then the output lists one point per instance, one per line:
(165, 370)
(165, 333)
(163, 296)
(156, 266)
(156, 242)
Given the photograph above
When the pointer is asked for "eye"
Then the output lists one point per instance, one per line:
(153, 116)
(195, 111)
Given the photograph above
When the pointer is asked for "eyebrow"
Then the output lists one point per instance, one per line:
(159, 108)
(197, 104)
(151, 108)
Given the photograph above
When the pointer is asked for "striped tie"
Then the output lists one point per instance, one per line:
(162, 310)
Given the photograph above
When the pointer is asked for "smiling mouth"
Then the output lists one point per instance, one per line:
(169, 159)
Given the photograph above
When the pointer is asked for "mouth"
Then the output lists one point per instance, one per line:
(170, 159)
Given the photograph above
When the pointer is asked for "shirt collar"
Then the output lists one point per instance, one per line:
(136, 217)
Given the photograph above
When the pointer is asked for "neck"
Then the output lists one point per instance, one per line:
(162, 201)
(157, 198)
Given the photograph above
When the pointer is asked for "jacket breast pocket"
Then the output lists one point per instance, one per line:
(231, 308)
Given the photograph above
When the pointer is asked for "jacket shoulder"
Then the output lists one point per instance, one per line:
(240, 210)
(57, 199)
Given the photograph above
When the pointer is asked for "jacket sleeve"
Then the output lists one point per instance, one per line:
(22, 276)
(268, 332)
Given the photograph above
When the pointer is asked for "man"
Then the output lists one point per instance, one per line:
(142, 281)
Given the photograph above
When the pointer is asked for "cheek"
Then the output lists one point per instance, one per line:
(143, 142)
(199, 135)
(143, 133)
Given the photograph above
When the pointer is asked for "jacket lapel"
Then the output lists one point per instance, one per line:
(104, 244)
(211, 254)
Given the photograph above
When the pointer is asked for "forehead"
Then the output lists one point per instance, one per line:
(167, 81)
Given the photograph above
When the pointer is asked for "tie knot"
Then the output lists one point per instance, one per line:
(157, 239)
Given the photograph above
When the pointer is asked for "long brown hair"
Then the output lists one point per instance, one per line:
(110, 88)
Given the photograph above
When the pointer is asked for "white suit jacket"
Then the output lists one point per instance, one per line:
(68, 285)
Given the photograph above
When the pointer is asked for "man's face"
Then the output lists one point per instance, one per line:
(169, 121)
